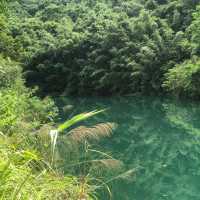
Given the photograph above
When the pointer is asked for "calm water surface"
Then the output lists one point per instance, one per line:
(159, 138)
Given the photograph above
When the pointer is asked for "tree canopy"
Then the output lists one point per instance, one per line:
(106, 47)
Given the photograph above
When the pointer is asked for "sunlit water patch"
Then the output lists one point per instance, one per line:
(158, 138)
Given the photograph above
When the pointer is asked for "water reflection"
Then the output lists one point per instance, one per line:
(158, 137)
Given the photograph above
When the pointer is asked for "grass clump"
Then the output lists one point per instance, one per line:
(24, 175)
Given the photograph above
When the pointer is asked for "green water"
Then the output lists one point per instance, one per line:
(160, 138)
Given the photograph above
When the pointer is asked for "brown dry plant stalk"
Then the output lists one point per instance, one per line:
(95, 132)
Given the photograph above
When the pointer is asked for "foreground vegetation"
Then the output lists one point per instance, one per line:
(31, 165)
(25, 170)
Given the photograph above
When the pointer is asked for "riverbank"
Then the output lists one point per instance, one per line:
(26, 171)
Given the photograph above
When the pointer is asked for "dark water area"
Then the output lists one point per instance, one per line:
(158, 137)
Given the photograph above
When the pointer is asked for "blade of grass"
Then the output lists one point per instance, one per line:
(76, 119)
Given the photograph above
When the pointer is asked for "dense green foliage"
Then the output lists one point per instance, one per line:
(183, 79)
(101, 47)
(83, 47)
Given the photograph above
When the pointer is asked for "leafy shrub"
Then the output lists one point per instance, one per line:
(32, 35)
(10, 72)
(16, 108)
(194, 32)
(183, 80)
(17, 102)
(7, 44)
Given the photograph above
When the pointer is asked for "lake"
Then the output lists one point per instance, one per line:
(158, 137)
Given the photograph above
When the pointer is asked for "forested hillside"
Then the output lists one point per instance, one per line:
(106, 47)
(98, 48)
